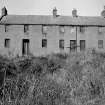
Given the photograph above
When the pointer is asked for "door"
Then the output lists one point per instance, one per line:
(25, 49)
(72, 45)
(82, 45)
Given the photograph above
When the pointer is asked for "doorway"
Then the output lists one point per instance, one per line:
(25, 47)
(73, 45)
(82, 45)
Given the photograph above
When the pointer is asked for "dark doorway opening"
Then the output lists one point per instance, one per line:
(82, 45)
(73, 45)
(25, 47)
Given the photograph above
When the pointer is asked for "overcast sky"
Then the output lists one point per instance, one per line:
(44, 7)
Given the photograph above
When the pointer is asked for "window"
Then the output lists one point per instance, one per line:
(82, 29)
(61, 29)
(61, 44)
(100, 43)
(26, 28)
(73, 45)
(44, 29)
(6, 28)
(44, 43)
(100, 30)
(82, 45)
(73, 29)
(7, 43)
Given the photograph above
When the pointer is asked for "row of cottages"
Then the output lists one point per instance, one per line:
(42, 34)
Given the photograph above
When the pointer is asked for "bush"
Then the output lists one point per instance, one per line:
(24, 64)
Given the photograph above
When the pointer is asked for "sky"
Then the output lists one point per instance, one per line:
(45, 7)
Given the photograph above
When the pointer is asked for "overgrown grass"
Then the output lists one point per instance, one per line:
(74, 79)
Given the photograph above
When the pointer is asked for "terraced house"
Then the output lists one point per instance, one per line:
(42, 34)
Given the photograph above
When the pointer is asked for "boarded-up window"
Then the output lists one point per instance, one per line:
(44, 43)
(61, 44)
(7, 43)
(26, 28)
(100, 43)
(82, 45)
(73, 45)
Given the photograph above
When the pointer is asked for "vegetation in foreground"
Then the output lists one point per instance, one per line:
(58, 79)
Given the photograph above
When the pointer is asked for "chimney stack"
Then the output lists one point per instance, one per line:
(55, 12)
(74, 13)
(4, 11)
(103, 13)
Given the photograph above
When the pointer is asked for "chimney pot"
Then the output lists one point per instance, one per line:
(55, 12)
(103, 12)
(74, 13)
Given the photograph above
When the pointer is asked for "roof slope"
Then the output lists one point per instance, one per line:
(47, 19)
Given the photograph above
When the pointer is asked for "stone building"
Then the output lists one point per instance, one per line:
(42, 34)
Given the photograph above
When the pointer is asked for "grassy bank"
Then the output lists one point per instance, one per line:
(74, 79)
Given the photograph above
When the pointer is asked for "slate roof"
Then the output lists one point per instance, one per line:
(50, 20)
